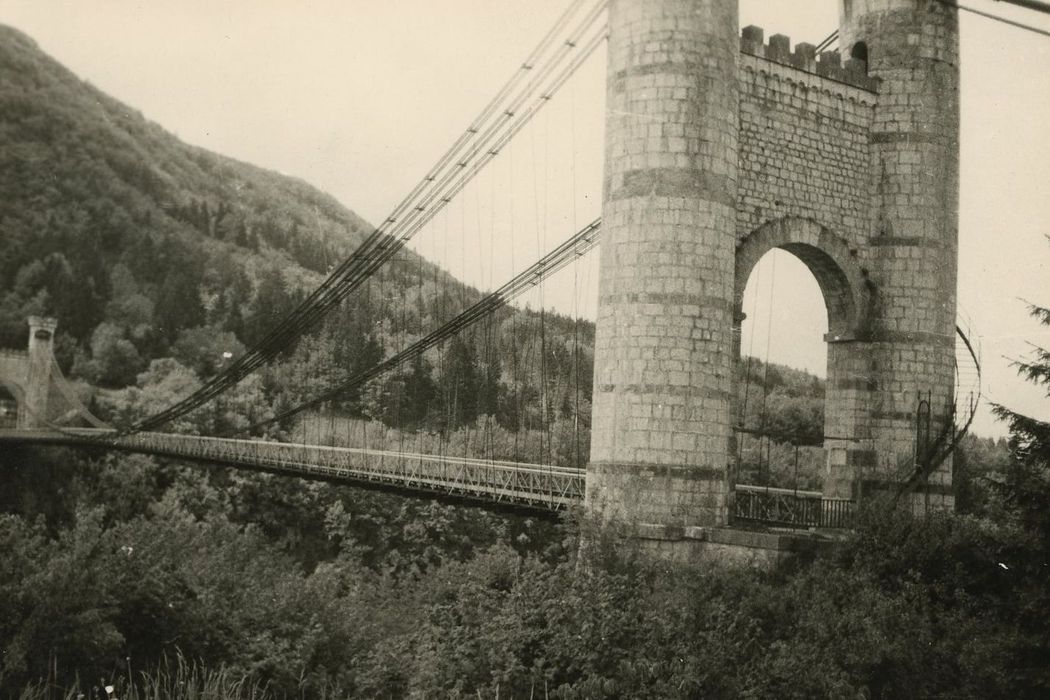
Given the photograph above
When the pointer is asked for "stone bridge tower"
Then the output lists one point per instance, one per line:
(25, 375)
(912, 48)
(33, 409)
(720, 147)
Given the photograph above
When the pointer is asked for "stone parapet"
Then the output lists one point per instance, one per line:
(804, 58)
(804, 150)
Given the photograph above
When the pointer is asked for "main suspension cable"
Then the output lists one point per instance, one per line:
(390, 236)
(564, 254)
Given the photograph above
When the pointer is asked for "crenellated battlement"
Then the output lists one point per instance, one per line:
(804, 58)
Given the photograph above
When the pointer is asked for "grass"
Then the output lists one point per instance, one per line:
(181, 678)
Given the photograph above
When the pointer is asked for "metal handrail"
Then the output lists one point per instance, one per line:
(536, 486)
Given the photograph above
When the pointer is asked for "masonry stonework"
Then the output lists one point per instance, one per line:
(33, 410)
(913, 49)
(26, 375)
(721, 147)
(662, 389)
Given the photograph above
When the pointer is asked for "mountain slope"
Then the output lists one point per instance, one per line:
(89, 186)
(145, 247)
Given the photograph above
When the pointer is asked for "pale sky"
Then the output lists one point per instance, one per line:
(360, 98)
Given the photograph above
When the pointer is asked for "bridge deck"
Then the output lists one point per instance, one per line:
(514, 484)
(532, 486)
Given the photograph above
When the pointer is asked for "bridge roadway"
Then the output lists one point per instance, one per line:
(512, 485)
(535, 487)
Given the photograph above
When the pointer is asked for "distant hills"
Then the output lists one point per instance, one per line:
(97, 204)
(105, 217)
(146, 247)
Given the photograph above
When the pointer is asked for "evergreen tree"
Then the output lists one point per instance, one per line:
(420, 391)
(240, 237)
(460, 383)
(273, 301)
(178, 303)
(1031, 437)
(488, 396)
(1024, 491)
(1027, 486)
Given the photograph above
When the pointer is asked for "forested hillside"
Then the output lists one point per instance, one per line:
(160, 259)
(108, 218)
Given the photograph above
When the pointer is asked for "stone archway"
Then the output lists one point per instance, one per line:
(842, 281)
(9, 404)
(12, 390)
(848, 297)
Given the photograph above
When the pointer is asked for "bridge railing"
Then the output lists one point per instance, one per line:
(790, 507)
(535, 486)
(531, 485)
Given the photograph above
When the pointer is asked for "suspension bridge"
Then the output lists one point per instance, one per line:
(720, 146)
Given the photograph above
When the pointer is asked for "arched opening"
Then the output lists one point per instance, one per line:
(800, 301)
(8, 409)
(859, 51)
(780, 376)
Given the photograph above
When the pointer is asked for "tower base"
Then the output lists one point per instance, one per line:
(726, 546)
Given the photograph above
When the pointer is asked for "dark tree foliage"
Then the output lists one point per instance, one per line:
(273, 301)
(1023, 490)
(460, 383)
(977, 466)
(420, 390)
(488, 391)
(1030, 437)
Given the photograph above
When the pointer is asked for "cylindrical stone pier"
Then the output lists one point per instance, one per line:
(664, 345)
(912, 47)
(33, 411)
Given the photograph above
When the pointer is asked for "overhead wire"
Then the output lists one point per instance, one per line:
(828, 41)
(390, 236)
(1013, 23)
(765, 370)
(575, 282)
(1030, 5)
(577, 245)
